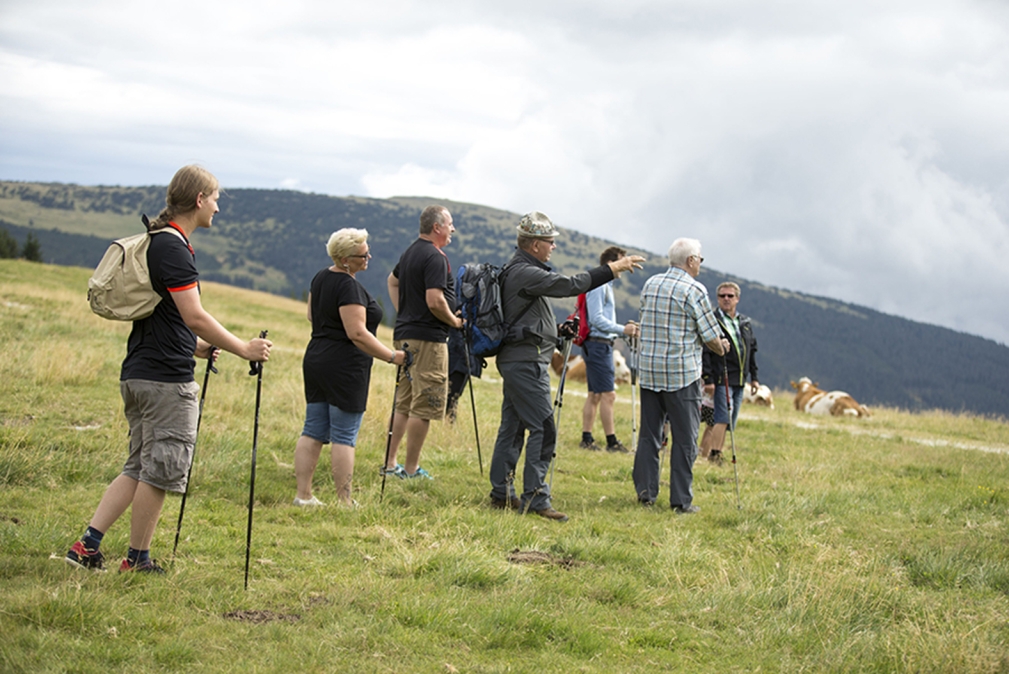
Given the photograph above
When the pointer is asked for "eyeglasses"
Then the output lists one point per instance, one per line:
(363, 257)
(699, 258)
(726, 295)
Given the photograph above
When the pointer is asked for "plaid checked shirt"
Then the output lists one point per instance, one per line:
(676, 320)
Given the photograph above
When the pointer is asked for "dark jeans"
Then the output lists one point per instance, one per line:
(683, 410)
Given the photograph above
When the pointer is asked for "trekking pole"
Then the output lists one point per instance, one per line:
(472, 400)
(632, 344)
(255, 368)
(559, 405)
(400, 370)
(189, 475)
(732, 434)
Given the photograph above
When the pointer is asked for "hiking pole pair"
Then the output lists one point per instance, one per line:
(472, 399)
(192, 460)
(401, 370)
(559, 405)
(732, 434)
(255, 369)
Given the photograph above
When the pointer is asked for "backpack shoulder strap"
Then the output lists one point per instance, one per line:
(532, 300)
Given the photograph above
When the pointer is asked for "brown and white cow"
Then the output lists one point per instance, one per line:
(762, 397)
(576, 367)
(810, 399)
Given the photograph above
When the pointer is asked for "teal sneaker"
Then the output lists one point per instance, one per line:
(419, 473)
(398, 471)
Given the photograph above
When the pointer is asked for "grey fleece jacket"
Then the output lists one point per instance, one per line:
(527, 279)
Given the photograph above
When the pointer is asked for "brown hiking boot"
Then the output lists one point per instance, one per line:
(552, 514)
(589, 445)
(503, 504)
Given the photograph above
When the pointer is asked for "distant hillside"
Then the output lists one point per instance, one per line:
(274, 240)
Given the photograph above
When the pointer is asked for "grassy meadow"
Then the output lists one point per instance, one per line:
(877, 545)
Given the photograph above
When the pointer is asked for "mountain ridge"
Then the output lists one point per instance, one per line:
(274, 240)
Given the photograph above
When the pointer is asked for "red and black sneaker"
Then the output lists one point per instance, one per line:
(147, 566)
(82, 558)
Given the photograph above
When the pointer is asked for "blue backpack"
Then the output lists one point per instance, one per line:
(479, 299)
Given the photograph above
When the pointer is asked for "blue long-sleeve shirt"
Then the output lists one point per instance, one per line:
(601, 308)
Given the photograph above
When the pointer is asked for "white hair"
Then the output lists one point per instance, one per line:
(682, 250)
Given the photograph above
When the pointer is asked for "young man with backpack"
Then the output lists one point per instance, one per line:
(157, 380)
(524, 362)
(597, 351)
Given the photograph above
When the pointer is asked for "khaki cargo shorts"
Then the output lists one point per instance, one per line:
(424, 397)
(162, 418)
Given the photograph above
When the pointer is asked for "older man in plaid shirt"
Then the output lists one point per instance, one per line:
(676, 320)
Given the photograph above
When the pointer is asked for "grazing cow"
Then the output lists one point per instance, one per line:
(761, 397)
(810, 399)
(576, 367)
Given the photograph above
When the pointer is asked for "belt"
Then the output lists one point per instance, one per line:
(599, 339)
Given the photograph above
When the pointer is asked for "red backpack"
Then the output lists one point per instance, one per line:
(581, 313)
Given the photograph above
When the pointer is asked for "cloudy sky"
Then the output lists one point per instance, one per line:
(856, 150)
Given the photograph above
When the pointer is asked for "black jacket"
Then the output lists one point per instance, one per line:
(739, 361)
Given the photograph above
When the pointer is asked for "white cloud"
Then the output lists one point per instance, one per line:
(838, 149)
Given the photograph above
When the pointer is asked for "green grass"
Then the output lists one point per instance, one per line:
(861, 545)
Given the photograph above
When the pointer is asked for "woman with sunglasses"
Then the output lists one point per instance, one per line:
(337, 365)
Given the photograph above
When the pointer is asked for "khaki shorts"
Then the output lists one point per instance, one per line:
(162, 418)
(424, 397)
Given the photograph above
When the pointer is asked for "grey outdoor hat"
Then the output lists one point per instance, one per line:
(537, 225)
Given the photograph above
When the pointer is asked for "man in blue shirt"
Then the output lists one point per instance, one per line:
(597, 352)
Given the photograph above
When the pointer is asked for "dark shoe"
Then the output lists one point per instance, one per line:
(149, 566)
(618, 448)
(503, 504)
(715, 457)
(82, 558)
(552, 514)
(646, 502)
(689, 510)
(589, 445)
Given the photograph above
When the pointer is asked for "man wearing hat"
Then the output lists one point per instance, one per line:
(524, 362)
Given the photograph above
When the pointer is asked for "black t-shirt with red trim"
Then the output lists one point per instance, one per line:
(423, 265)
(161, 346)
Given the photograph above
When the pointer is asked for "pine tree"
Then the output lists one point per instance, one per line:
(33, 250)
(8, 246)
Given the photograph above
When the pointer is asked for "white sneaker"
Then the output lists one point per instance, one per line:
(309, 503)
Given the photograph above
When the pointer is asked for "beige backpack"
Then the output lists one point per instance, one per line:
(120, 289)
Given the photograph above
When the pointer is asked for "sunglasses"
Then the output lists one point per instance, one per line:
(725, 295)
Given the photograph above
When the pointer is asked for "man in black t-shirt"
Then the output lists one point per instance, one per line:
(423, 293)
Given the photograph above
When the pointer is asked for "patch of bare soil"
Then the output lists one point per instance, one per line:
(257, 617)
(535, 557)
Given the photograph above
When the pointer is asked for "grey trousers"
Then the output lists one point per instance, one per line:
(525, 406)
(683, 410)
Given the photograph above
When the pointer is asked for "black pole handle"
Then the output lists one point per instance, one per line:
(255, 366)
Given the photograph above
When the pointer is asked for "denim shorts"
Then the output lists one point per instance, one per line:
(328, 423)
(598, 358)
(721, 413)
